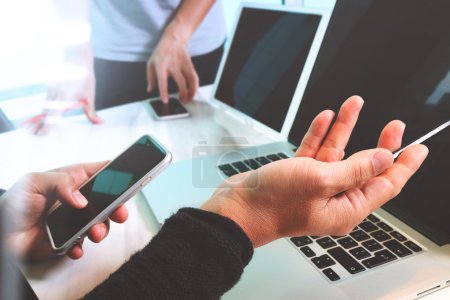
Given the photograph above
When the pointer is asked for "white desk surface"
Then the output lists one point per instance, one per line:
(74, 140)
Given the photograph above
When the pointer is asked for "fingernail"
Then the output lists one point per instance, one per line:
(382, 160)
(424, 153)
(79, 198)
(149, 88)
(360, 100)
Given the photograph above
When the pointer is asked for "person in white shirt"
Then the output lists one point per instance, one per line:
(142, 49)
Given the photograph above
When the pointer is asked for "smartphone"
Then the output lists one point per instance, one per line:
(112, 186)
(171, 110)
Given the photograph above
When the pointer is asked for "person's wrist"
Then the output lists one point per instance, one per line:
(177, 32)
(234, 203)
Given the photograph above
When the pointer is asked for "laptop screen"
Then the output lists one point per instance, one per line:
(396, 55)
(265, 61)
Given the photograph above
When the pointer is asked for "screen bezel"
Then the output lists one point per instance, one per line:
(122, 198)
(306, 72)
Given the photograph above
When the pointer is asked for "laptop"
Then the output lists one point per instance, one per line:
(259, 84)
(394, 54)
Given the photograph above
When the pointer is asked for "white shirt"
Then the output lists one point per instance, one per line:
(128, 30)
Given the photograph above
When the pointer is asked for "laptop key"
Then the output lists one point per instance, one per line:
(359, 235)
(336, 237)
(385, 227)
(413, 246)
(240, 166)
(372, 245)
(308, 251)
(282, 155)
(373, 218)
(230, 172)
(380, 235)
(301, 241)
(398, 236)
(380, 257)
(273, 157)
(262, 160)
(359, 253)
(368, 226)
(331, 274)
(348, 262)
(323, 261)
(225, 167)
(347, 242)
(253, 164)
(326, 242)
(397, 248)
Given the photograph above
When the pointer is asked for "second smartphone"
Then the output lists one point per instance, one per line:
(167, 111)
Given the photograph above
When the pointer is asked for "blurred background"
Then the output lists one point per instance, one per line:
(35, 37)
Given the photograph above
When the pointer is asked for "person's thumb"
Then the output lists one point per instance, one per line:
(356, 170)
(59, 186)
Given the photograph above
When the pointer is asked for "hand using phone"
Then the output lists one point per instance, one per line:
(27, 203)
(112, 186)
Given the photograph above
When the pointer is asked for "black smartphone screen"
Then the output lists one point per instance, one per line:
(122, 173)
(172, 108)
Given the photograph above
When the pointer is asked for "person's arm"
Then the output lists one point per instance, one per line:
(200, 255)
(196, 255)
(171, 58)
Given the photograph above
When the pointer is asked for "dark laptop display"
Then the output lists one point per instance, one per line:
(396, 55)
(265, 61)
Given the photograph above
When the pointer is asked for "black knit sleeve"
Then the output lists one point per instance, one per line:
(196, 255)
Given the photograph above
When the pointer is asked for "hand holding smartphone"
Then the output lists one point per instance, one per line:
(112, 186)
(171, 110)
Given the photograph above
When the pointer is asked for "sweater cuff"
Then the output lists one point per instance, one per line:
(227, 227)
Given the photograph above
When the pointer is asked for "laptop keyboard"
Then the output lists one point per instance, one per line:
(249, 164)
(371, 244)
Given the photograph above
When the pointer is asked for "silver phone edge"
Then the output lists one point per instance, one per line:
(122, 199)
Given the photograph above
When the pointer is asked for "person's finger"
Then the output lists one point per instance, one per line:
(391, 135)
(76, 252)
(359, 168)
(82, 172)
(334, 144)
(386, 186)
(181, 83)
(120, 215)
(192, 80)
(317, 131)
(58, 186)
(162, 85)
(91, 114)
(151, 77)
(98, 232)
